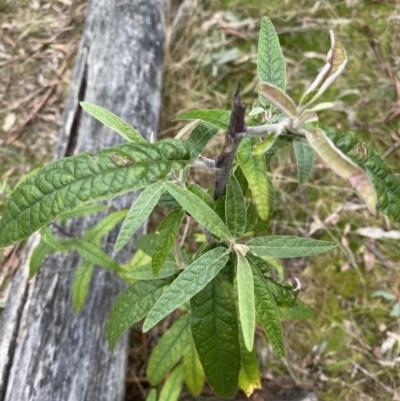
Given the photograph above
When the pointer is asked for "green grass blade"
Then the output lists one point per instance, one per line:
(172, 386)
(245, 289)
(80, 284)
(267, 311)
(216, 333)
(69, 183)
(138, 213)
(235, 208)
(218, 118)
(254, 169)
(131, 306)
(192, 280)
(277, 246)
(304, 160)
(168, 232)
(192, 370)
(199, 210)
(169, 350)
(112, 121)
(271, 65)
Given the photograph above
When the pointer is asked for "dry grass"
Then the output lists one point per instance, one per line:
(351, 351)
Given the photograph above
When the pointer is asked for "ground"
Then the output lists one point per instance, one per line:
(351, 350)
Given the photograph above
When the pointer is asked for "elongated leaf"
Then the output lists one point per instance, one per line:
(152, 396)
(37, 256)
(138, 213)
(144, 272)
(218, 118)
(276, 246)
(281, 142)
(131, 306)
(82, 211)
(335, 62)
(387, 184)
(304, 159)
(80, 284)
(199, 210)
(172, 386)
(57, 244)
(203, 195)
(192, 369)
(245, 288)
(254, 169)
(192, 280)
(267, 310)
(94, 254)
(112, 121)
(199, 138)
(278, 98)
(249, 376)
(216, 335)
(235, 208)
(343, 166)
(300, 311)
(263, 146)
(169, 350)
(187, 128)
(104, 226)
(75, 181)
(168, 231)
(168, 201)
(271, 65)
(251, 219)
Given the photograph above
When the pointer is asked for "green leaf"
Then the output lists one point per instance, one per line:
(80, 284)
(203, 195)
(343, 166)
(138, 213)
(262, 147)
(144, 272)
(94, 254)
(281, 142)
(37, 257)
(131, 306)
(254, 169)
(300, 311)
(278, 98)
(152, 396)
(215, 333)
(55, 243)
(187, 128)
(251, 219)
(168, 232)
(172, 386)
(192, 369)
(277, 246)
(147, 243)
(249, 376)
(387, 184)
(69, 183)
(199, 138)
(335, 62)
(235, 208)
(245, 289)
(112, 121)
(169, 350)
(218, 118)
(82, 211)
(199, 211)
(168, 201)
(304, 159)
(192, 280)
(99, 230)
(267, 311)
(271, 65)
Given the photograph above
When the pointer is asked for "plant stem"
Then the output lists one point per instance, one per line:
(232, 139)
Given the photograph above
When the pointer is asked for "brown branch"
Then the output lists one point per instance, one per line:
(224, 160)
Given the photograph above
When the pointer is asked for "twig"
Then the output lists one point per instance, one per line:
(224, 160)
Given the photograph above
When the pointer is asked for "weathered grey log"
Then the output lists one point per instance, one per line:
(47, 351)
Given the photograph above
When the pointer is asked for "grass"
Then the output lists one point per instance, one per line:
(351, 350)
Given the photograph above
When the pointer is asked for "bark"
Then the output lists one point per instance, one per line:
(47, 351)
